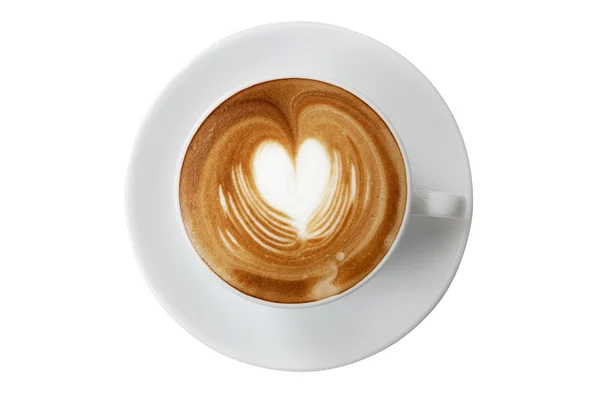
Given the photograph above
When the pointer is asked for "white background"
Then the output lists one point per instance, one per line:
(521, 319)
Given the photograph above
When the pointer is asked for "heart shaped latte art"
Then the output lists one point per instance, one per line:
(292, 190)
(295, 187)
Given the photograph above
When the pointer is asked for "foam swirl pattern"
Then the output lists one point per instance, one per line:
(292, 190)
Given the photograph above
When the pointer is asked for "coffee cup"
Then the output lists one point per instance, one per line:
(295, 191)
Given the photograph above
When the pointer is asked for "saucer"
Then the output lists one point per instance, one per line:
(371, 318)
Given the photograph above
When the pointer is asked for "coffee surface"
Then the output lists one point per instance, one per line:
(293, 190)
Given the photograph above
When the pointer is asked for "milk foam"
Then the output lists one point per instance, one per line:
(291, 190)
(293, 185)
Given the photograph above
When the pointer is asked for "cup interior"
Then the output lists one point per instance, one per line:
(398, 235)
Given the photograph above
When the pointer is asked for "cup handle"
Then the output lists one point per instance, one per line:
(437, 204)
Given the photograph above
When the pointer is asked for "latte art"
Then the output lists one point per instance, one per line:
(296, 190)
(293, 190)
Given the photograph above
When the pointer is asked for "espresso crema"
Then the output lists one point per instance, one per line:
(293, 190)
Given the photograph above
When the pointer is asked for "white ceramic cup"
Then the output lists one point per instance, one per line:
(418, 202)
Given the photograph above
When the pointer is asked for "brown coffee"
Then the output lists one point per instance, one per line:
(293, 190)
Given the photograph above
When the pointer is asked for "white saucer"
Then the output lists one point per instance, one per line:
(371, 318)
